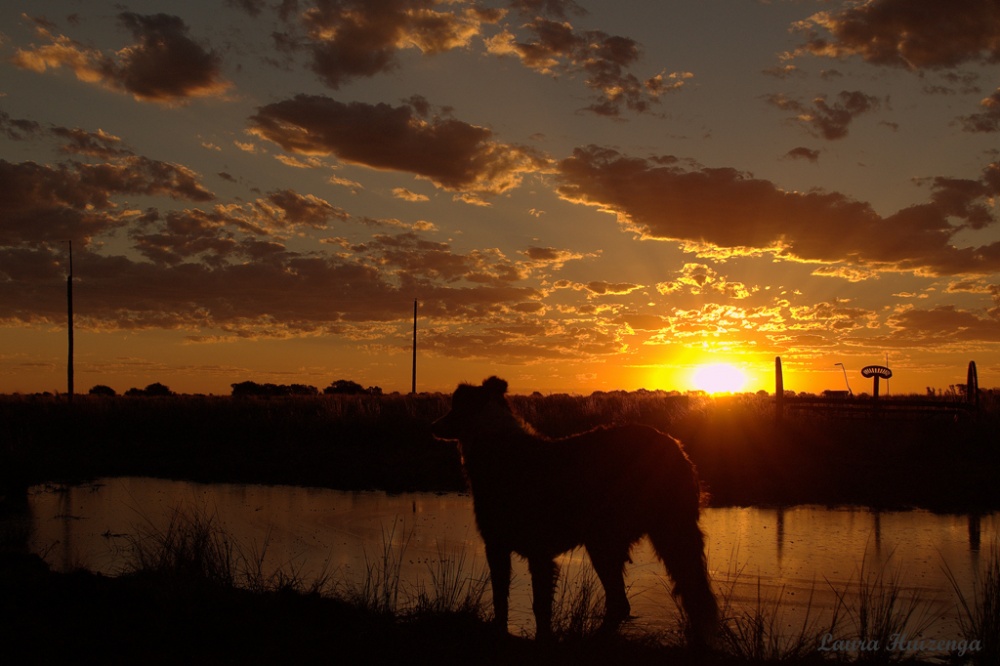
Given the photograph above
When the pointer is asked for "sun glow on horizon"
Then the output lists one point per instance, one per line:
(718, 378)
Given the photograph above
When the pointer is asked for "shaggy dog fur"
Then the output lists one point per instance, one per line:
(604, 489)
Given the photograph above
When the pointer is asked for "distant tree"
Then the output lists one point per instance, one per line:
(344, 386)
(101, 389)
(244, 389)
(155, 389)
(374, 390)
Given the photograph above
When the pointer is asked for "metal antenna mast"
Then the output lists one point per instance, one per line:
(413, 384)
(69, 320)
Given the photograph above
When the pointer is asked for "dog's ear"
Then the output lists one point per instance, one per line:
(495, 385)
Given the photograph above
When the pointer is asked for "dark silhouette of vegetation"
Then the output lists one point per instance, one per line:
(155, 390)
(101, 389)
(361, 441)
(347, 387)
(253, 389)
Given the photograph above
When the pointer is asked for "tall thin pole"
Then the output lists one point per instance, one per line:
(887, 379)
(69, 322)
(849, 392)
(413, 384)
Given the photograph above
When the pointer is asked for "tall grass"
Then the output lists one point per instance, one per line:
(872, 621)
(379, 590)
(757, 633)
(195, 549)
(457, 586)
(979, 616)
(884, 618)
(578, 603)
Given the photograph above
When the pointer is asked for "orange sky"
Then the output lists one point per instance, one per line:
(582, 196)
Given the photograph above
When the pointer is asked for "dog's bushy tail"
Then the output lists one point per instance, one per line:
(680, 543)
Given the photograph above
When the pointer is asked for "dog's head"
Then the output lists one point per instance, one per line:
(473, 409)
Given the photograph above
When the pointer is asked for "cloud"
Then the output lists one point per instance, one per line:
(731, 213)
(360, 38)
(824, 119)
(602, 288)
(943, 325)
(555, 48)
(802, 153)
(835, 316)
(557, 8)
(913, 34)
(164, 65)
(987, 120)
(40, 203)
(17, 129)
(551, 257)
(703, 279)
(92, 144)
(407, 195)
(452, 154)
(294, 209)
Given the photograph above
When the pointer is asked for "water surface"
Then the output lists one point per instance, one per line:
(802, 557)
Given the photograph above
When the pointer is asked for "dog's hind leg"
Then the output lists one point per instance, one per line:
(544, 572)
(609, 564)
(498, 559)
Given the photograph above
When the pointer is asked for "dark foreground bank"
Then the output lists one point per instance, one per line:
(140, 618)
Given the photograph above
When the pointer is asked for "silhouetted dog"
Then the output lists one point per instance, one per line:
(604, 489)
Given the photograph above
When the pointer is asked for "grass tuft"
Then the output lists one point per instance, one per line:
(979, 617)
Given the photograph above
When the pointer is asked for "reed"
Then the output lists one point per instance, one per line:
(883, 616)
(979, 616)
(758, 633)
(457, 586)
(578, 604)
(379, 590)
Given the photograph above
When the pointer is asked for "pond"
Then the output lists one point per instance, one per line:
(801, 560)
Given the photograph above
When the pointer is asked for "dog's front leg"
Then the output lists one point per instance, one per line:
(498, 559)
(544, 572)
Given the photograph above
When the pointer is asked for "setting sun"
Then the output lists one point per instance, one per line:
(718, 378)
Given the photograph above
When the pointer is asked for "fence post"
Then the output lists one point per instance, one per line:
(779, 391)
(972, 386)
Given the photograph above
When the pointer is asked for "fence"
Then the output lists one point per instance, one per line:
(843, 404)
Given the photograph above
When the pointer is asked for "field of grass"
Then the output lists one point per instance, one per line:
(744, 457)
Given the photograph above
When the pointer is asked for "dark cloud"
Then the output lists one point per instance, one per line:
(914, 34)
(76, 141)
(251, 7)
(92, 144)
(943, 325)
(557, 48)
(18, 129)
(361, 38)
(41, 203)
(730, 210)
(803, 153)
(987, 120)
(294, 209)
(602, 288)
(557, 8)
(452, 154)
(825, 119)
(164, 65)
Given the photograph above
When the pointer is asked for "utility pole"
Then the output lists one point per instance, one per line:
(69, 321)
(413, 384)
